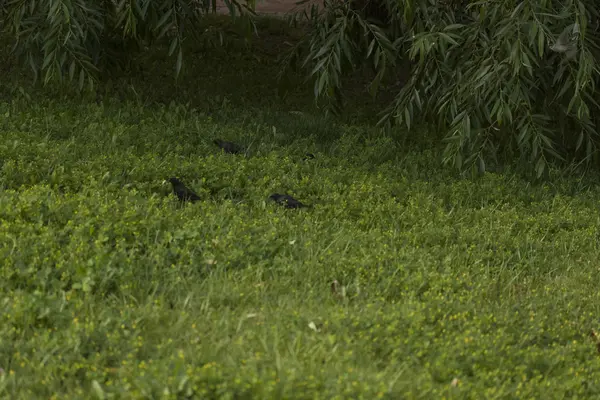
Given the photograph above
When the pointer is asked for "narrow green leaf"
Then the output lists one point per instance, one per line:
(72, 70)
(567, 85)
(163, 19)
(173, 45)
(541, 42)
(48, 59)
(319, 66)
(323, 79)
(66, 13)
(448, 39)
(452, 27)
(370, 48)
(179, 62)
(164, 30)
(325, 47)
(81, 78)
(458, 118)
(374, 86)
(458, 160)
(482, 72)
(540, 167)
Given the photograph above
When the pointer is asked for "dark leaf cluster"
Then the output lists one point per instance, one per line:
(517, 79)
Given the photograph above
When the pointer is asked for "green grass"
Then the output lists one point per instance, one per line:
(110, 289)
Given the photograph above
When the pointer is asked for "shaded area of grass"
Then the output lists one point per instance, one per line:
(240, 72)
(110, 289)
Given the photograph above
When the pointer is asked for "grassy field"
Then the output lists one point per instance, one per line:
(446, 287)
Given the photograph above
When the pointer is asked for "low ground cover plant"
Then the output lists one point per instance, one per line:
(402, 280)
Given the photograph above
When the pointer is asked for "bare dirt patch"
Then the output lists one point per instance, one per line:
(273, 7)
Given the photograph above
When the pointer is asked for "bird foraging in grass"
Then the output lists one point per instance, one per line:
(182, 192)
(287, 201)
(228, 147)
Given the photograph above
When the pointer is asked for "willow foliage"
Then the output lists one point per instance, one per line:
(75, 39)
(504, 75)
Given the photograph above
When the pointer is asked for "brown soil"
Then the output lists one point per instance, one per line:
(272, 7)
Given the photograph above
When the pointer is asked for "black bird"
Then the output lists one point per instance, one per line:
(286, 200)
(228, 147)
(182, 192)
(308, 156)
